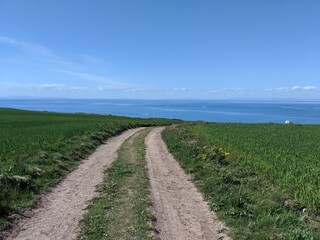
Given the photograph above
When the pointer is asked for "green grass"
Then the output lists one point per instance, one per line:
(121, 209)
(38, 148)
(259, 178)
(287, 154)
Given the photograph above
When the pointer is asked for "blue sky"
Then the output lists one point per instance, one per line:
(147, 49)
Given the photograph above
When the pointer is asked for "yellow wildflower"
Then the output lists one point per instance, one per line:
(204, 148)
(203, 156)
(226, 154)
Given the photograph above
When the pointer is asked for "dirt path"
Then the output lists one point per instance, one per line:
(179, 208)
(64, 206)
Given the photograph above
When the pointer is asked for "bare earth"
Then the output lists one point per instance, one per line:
(179, 208)
(62, 208)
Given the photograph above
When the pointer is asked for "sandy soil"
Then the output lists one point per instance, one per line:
(180, 211)
(63, 207)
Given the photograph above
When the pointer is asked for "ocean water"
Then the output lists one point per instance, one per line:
(212, 111)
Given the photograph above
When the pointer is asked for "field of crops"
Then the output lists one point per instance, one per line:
(38, 148)
(262, 179)
(289, 155)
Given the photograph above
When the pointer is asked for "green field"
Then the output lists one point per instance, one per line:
(38, 148)
(262, 179)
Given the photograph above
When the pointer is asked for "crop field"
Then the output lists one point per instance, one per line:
(287, 154)
(262, 179)
(38, 148)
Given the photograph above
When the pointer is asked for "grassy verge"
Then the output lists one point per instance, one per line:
(120, 212)
(38, 148)
(247, 198)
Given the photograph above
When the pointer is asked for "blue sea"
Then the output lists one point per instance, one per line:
(301, 112)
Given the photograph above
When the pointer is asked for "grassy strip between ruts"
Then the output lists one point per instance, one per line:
(121, 209)
(246, 200)
(38, 148)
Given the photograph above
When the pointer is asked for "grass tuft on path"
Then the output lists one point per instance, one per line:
(121, 209)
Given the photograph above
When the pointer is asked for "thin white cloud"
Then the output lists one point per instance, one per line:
(87, 58)
(279, 89)
(109, 88)
(42, 86)
(180, 89)
(292, 89)
(91, 77)
(119, 88)
(65, 87)
(33, 48)
(310, 88)
(34, 53)
(224, 90)
(108, 84)
(46, 54)
(214, 91)
(55, 86)
(136, 89)
(79, 66)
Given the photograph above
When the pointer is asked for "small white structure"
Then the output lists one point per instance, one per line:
(288, 122)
